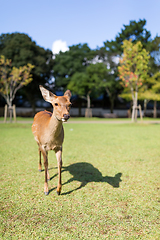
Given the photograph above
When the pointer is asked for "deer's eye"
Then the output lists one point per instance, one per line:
(56, 104)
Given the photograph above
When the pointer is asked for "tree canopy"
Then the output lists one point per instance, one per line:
(66, 64)
(22, 50)
(84, 83)
(133, 69)
(135, 31)
(12, 79)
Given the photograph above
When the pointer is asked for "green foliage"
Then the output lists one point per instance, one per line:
(106, 194)
(154, 49)
(93, 79)
(97, 75)
(78, 83)
(151, 88)
(135, 31)
(22, 50)
(112, 50)
(66, 64)
(133, 67)
(133, 70)
(12, 78)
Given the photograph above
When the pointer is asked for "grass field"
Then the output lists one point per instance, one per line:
(83, 119)
(111, 184)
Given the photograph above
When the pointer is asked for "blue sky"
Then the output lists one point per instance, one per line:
(74, 21)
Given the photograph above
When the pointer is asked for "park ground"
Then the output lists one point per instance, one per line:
(111, 187)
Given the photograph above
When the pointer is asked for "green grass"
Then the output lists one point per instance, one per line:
(17, 119)
(111, 184)
(77, 119)
(111, 119)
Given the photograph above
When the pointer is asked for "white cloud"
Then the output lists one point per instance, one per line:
(58, 46)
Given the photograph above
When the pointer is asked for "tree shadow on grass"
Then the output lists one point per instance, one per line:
(86, 173)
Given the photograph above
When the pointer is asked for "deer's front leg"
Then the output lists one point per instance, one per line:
(45, 157)
(59, 161)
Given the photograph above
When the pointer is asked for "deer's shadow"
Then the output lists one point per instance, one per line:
(85, 173)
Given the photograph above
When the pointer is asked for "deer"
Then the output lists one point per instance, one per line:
(48, 131)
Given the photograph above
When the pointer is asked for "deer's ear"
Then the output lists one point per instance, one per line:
(68, 94)
(47, 95)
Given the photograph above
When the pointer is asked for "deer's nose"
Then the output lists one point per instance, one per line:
(66, 116)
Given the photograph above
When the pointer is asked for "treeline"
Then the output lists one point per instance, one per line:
(88, 73)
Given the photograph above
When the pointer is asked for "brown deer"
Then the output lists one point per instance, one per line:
(48, 131)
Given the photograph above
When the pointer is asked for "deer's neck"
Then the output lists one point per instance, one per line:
(55, 125)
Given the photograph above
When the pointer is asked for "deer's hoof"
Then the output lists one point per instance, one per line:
(46, 193)
(58, 193)
(39, 170)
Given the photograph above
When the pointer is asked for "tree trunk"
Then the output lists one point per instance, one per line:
(145, 107)
(32, 101)
(79, 111)
(136, 95)
(155, 110)
(5, 113)
(10, 113)
(79, 107)
(134, 110)
(129, 112)
(88, 101)
(112, 104)
(88, 112)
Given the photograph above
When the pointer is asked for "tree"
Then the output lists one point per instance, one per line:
(110, 53)
(133, 69)
(138, 32)
(22, 50)
(66, 64)
(151, 91)
(85, 83)
(112, 87)
(135, 31)
(111, 83)
(97, 75)
(12, 79)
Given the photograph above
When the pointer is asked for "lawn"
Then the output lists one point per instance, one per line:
(111, 184)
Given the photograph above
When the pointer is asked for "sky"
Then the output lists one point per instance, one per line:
(58, 24)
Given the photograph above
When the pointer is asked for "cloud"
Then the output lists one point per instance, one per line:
(58, 46)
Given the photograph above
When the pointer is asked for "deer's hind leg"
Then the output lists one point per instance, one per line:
(48, 177)
(40, 162)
